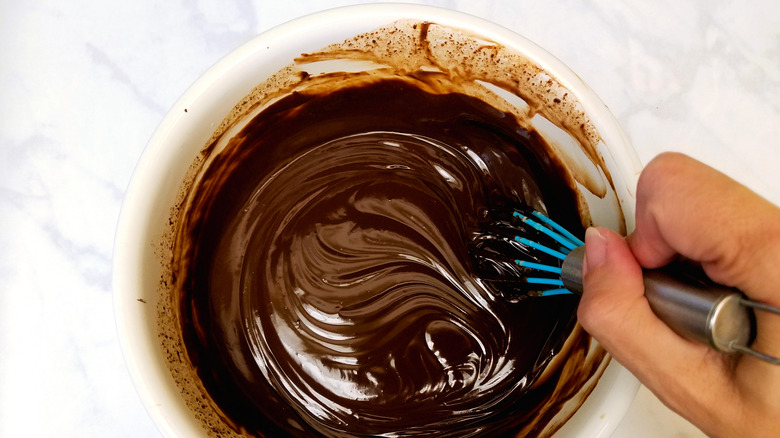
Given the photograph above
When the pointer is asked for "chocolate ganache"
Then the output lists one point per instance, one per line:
(321, 282)
(331, 290)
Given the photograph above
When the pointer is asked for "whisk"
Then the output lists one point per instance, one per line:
(523, 254)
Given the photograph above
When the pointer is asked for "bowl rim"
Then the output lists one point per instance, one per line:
(138, 337)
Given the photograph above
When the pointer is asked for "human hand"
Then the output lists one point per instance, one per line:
(686, 208)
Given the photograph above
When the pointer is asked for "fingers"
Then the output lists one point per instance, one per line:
(686, 207)
(613, 308)
(688, 377)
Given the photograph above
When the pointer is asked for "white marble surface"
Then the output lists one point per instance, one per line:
(83, 84)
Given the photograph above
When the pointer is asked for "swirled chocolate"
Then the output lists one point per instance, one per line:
(331, 290)
(322, 276)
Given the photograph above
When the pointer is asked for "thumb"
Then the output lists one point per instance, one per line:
(614, 310)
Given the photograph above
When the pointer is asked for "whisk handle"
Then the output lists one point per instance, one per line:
(696, 309)
(699, 310)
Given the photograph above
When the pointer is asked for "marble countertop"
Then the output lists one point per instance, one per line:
(84, 84)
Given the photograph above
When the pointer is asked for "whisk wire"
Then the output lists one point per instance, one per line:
(539, 266)
(563, 240)
(538, 247)
(542, 248)
(551, 292)
(547, 281)
(558, 228)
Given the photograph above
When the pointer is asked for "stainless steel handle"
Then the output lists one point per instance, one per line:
(706, 313)
(695, 308)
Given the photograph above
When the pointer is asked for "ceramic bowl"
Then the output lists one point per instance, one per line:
(158, 176)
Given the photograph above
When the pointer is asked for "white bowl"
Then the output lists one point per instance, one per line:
(156, 182)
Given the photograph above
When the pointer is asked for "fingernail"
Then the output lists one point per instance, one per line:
(595, 248)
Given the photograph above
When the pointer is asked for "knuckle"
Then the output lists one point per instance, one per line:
(662, 172)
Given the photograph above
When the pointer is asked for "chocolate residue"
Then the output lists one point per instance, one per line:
(320, 281)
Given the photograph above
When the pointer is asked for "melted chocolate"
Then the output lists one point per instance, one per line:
(328, 288)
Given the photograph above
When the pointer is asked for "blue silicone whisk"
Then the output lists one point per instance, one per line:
(525, 254)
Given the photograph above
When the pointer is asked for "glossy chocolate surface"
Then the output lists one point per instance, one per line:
(328, 288)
